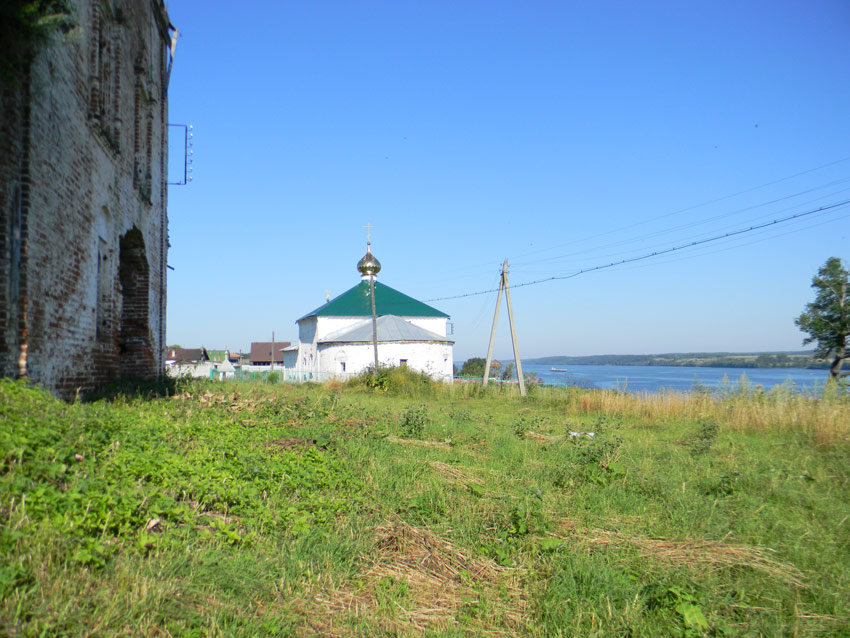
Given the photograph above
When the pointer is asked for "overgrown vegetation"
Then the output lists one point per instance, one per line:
(397, 506)
(25, 25)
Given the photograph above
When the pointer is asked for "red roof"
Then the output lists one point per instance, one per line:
(186, 355)
(261, 351)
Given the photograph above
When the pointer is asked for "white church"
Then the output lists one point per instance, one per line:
(336, 340)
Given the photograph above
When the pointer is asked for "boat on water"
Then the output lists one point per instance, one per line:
(558, 370)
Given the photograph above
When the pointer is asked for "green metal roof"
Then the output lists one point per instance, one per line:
(355, 302)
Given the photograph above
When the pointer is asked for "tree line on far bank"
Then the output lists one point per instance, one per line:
(710, 360)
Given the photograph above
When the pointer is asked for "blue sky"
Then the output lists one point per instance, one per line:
(559, 135)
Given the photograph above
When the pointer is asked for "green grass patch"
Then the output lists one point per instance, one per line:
(404, 507)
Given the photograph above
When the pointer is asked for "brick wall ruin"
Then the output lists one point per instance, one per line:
(83, 201)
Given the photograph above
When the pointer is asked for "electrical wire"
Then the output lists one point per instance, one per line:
(673, 229)
(528, 268)
(695, 206)
(657, 253)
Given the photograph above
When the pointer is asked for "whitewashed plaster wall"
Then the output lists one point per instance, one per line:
(434, 359)
(307, 330)
(433, 324)
(327, 325)
(315, 328)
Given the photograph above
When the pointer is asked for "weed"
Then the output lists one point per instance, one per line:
(602, 450)
(461, 415)
(413, 421)
(702, 441)
(520, 427)
(684, 601)
(523, 424)
(724, 485)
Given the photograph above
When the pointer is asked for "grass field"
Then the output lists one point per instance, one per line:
(236, 509)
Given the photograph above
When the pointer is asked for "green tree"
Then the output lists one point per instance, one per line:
(473, 367)
(827, 318)
(765, 361)
(508, 372)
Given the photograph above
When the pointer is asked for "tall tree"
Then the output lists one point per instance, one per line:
(827, 318)
(473, 367)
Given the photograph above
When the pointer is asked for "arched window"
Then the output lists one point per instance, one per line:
(104, 73)
(135, 350)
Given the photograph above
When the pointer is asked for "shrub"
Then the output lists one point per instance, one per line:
(413, 421)
(703, 439)
(395, 380)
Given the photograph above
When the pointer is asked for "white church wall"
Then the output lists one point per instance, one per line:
(307, 330)
(327, 325)
(306, 360)
(194, 370)
(434, 359)
(436, 325)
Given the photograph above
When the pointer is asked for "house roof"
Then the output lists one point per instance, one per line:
(390, 328)
(356, 302)
(186, 355)
(261, 350)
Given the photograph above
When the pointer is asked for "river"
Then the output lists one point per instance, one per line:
(656, 378)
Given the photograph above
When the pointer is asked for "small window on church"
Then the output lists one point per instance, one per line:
(342, 366)
(402, 363)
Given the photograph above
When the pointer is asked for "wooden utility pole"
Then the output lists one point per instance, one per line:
(513, 330)
(374, 321)
(371, 276)
(493, 329)
(503, 285)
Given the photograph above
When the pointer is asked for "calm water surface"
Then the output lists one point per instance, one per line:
(655, 378)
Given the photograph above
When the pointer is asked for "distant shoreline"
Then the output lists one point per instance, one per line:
(800, 360)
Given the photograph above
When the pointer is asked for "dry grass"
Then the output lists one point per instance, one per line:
(714, 554)
(826, 418)
(454, 474)
(419, 442)
(542, 438)
(740, 406)
(418, 581)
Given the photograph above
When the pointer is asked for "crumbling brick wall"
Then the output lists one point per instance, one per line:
(12, 101)
(84, 295)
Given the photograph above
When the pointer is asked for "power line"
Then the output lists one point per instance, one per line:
(657, 252)
(695, 206)
(696, 223)
(736, 246)
(529, 267)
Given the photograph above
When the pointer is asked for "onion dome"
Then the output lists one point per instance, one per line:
(369, 266)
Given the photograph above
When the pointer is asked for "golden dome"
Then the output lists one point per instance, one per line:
(369, 265)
